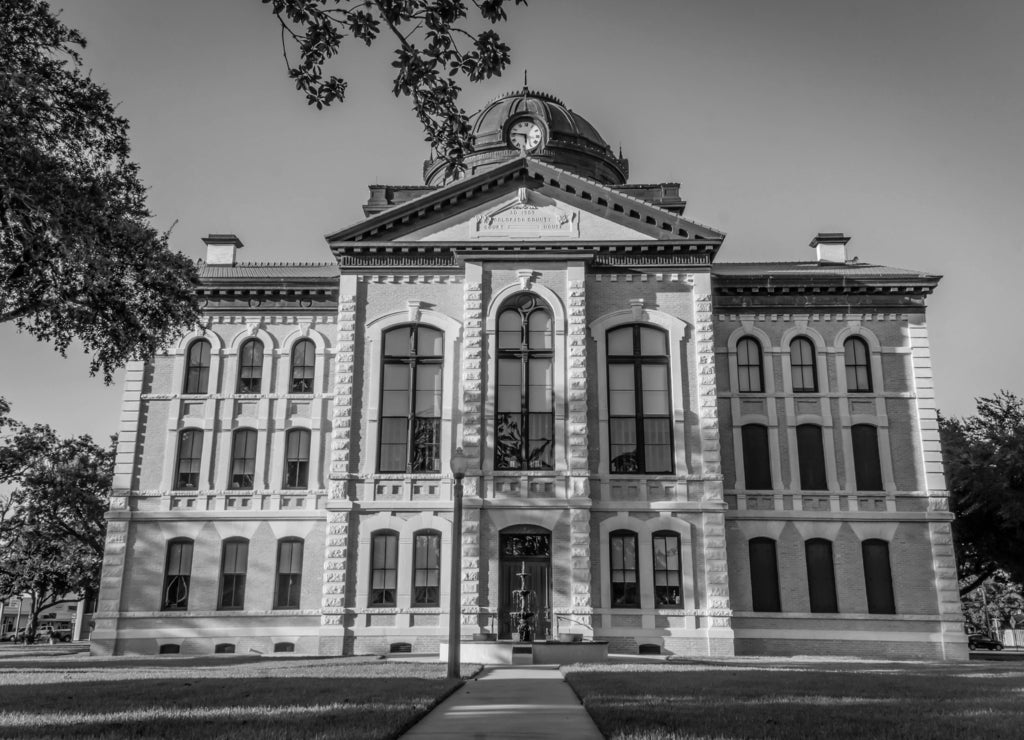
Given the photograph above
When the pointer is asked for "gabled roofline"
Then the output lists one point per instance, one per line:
(604, 201)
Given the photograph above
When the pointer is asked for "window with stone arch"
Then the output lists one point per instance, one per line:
(197, 367)
(384, 568)
(426, 568)
(639, 400)
(803, 365)
(177, 574)
(857, 359)
(250, 367)
(668, 581)
(190, 457)
(749, 366)
(625, 570)
(243, 459)
(410, 400)
(296, 464)
(525, 405)
(303, 367)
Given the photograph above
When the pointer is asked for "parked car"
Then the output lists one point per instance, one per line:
(976, 642)
(13, 636)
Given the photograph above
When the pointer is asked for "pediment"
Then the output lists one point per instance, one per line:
(525, 215)
(524, 200)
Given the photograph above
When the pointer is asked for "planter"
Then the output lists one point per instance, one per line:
(570, 637)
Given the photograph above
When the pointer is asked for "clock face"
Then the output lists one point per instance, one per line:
(525, 135)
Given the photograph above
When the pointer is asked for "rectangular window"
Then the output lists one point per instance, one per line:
(234, 563)
(297, 459)
(190, 452)
(811, 453)
(177, 575)
(757, 471)
(625, 591)
(867, 466)
(426, 574)
(749, 370)
(878, 577)
(668, 590)
(289, 574)
(821, 576)
(764, 575)
(384, 569)
(243, 459)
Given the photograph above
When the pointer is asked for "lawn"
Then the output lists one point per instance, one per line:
(78, 697)
(802, 699)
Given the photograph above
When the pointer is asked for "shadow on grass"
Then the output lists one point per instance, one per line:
(808, 701)
(243, 707)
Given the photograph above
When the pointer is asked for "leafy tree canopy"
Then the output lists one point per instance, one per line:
(52, 524)
(995, 605)
(436, 47)
(78, 258)
(984, 456)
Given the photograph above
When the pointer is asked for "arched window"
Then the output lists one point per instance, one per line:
(426, 568)
(384, 568)
(177, 574)
(821, 576)
(867, 466)
(190, 454)
(803, 366)
(525, 411)
(243, 459)
(410, 400)
(250, 366)
(639, 400)
(197, 367)
(668, 583)
(303, 366)
(234, 563)
(625, 591)
(858, 365)
(296, 463)
(878, 577)
(288, 589)
(811, 454)
(757, 467)
(749, 366)
(764, 575)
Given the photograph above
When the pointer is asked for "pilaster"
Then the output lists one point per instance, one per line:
(471, 439)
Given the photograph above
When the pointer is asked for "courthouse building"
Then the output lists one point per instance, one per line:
(686, 455)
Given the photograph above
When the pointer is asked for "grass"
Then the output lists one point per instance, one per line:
(82, 697)
(802, 699)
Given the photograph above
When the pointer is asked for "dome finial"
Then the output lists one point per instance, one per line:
(525, 84)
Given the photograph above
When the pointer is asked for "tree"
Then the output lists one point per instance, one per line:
(435, 47)
(52, 525)
(78, 257)
(984, 457)
(998, 603)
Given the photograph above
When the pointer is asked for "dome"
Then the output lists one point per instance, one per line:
(568, 140)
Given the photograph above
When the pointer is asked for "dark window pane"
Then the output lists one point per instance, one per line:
(426, 569)
(667, 570)
(250, 366)
(384, 569)
(303, 366)
(811, 453)
(426, 445)
(190, 452)
(657, 446)
(177, 575)
(197, 367)
(429, 342)
(234, 563)
(749, 366)
(508, 450)
(821, 577)
(398, 341)
(289, 574)
(393, 445)
(858, 365)
(652, 342)
(624, 577)
(867, 466)
(757, 471)
(510, 330)
(802, 364)
(878, 577)
(539, 330)
(243, 459)
(541, 444)
(297, 459)
(620, 341)
(764, 575)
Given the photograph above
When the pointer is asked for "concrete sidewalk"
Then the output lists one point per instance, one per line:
(510, 702)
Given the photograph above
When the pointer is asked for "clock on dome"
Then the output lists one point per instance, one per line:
(525, 135)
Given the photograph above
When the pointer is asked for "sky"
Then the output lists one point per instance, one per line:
(898, 123)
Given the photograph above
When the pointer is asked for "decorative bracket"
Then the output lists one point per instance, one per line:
(526, 277)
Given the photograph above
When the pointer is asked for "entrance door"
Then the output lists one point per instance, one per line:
(529, 547)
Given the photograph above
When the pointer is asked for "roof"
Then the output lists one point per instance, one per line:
(269, 271)
(803, 269)
(741, 278)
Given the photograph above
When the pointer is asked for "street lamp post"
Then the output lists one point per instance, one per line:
(459, 464)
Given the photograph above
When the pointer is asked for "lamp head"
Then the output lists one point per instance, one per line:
(460, 463)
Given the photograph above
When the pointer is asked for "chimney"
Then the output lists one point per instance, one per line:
(831, 248)
(221, 248)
